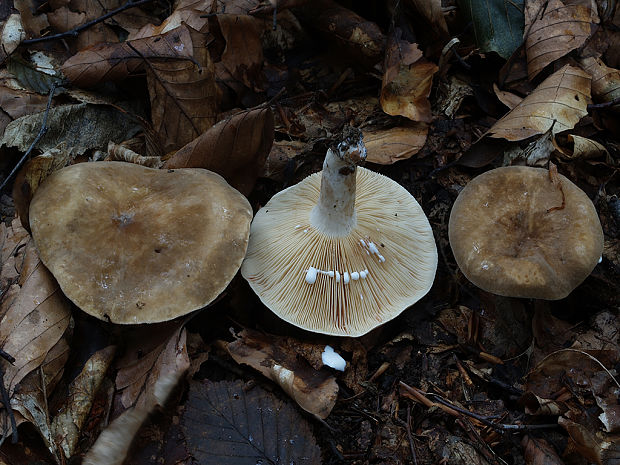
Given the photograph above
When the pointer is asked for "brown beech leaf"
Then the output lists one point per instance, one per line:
(243, 55)
(594, 445)
(558, 103)
(387, 146)
(507, 98)
(407, 82)
(183, 94)
(30, 404)
(34, 317)
(605, 80)
(72, 415)
(539, 452)
(235, 148)
(189, 12)
(553, 28)
(226, 424)
(115, 61)
(166, 371)
(358, 38)
(17, 102)
(11, 34)
(13, 238)
(276, 358)
(583, 148)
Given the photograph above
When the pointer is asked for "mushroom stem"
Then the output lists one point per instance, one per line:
(334, 214)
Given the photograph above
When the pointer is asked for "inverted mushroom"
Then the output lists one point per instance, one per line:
(130, 244)
(515, 233)
(343, 251)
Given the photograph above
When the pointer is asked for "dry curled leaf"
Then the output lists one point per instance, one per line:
(387, 146)
(605, 80)
(183, 94)
(35, 316)
(553, 29)
(407, 82)
(235, 148)
(583, 148)
(114, 62)
(314, 390)
(224, 424)
(558, 103)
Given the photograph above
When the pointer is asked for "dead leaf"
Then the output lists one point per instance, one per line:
(69, 420)
(114, 62)
(537, 153)
(387, 146)
(183, 94)
(559, 102)
(280, 163)
(34, 319)
(433, 14)
(17, 101)
(452, 92)
(539, 452)
(605, 80)
(359, 39)
(13, 238)
(118, 152)
(224, 424)
(507, 98)
(243, 55)
(594, 445)
(235, 148)
(407, 82)
(315, 391)
(81, 127)
(33, 174)
(34, 24)
(11, 34)
(553, 29)
(583, 148)
(189, 12)
(113, 443)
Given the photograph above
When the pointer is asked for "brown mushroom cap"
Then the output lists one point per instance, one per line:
(130, 244)
(400, 263)
(510, 237)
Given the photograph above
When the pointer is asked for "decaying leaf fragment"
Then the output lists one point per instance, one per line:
(407, 82)
(183, 94)
(13, 238)
(35, 316)
(559, 102)
(553, 28)
(11, 34)
(314, 390)
(225, 424)
(235, 148)
(169, 367)
(387, 146)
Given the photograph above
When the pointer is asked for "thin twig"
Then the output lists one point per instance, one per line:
(36, 140)
(410, 436)
(8, 357)
(76, 30)
(611, 103)
(6, 400)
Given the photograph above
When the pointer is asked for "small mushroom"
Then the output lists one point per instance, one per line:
(343, 251)
(130, 244)
(514, 232)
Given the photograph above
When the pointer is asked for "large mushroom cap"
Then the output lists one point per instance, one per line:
(130, 244)
(511, 236)
(363, 279)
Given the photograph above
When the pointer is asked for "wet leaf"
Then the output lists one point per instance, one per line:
(497, 24)
(81, 127)
(276, 358)
(407, 82)
(553, 29)
(387, 146)
(69, 420)
(34, 318)
(226, 425)
(559, 102)
(235, 148)
(171, 363)
(114, 62)
(183, 94)
(539, 452)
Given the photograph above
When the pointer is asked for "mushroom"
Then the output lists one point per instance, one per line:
(130, 244)
(514, 232)
(343, 251)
